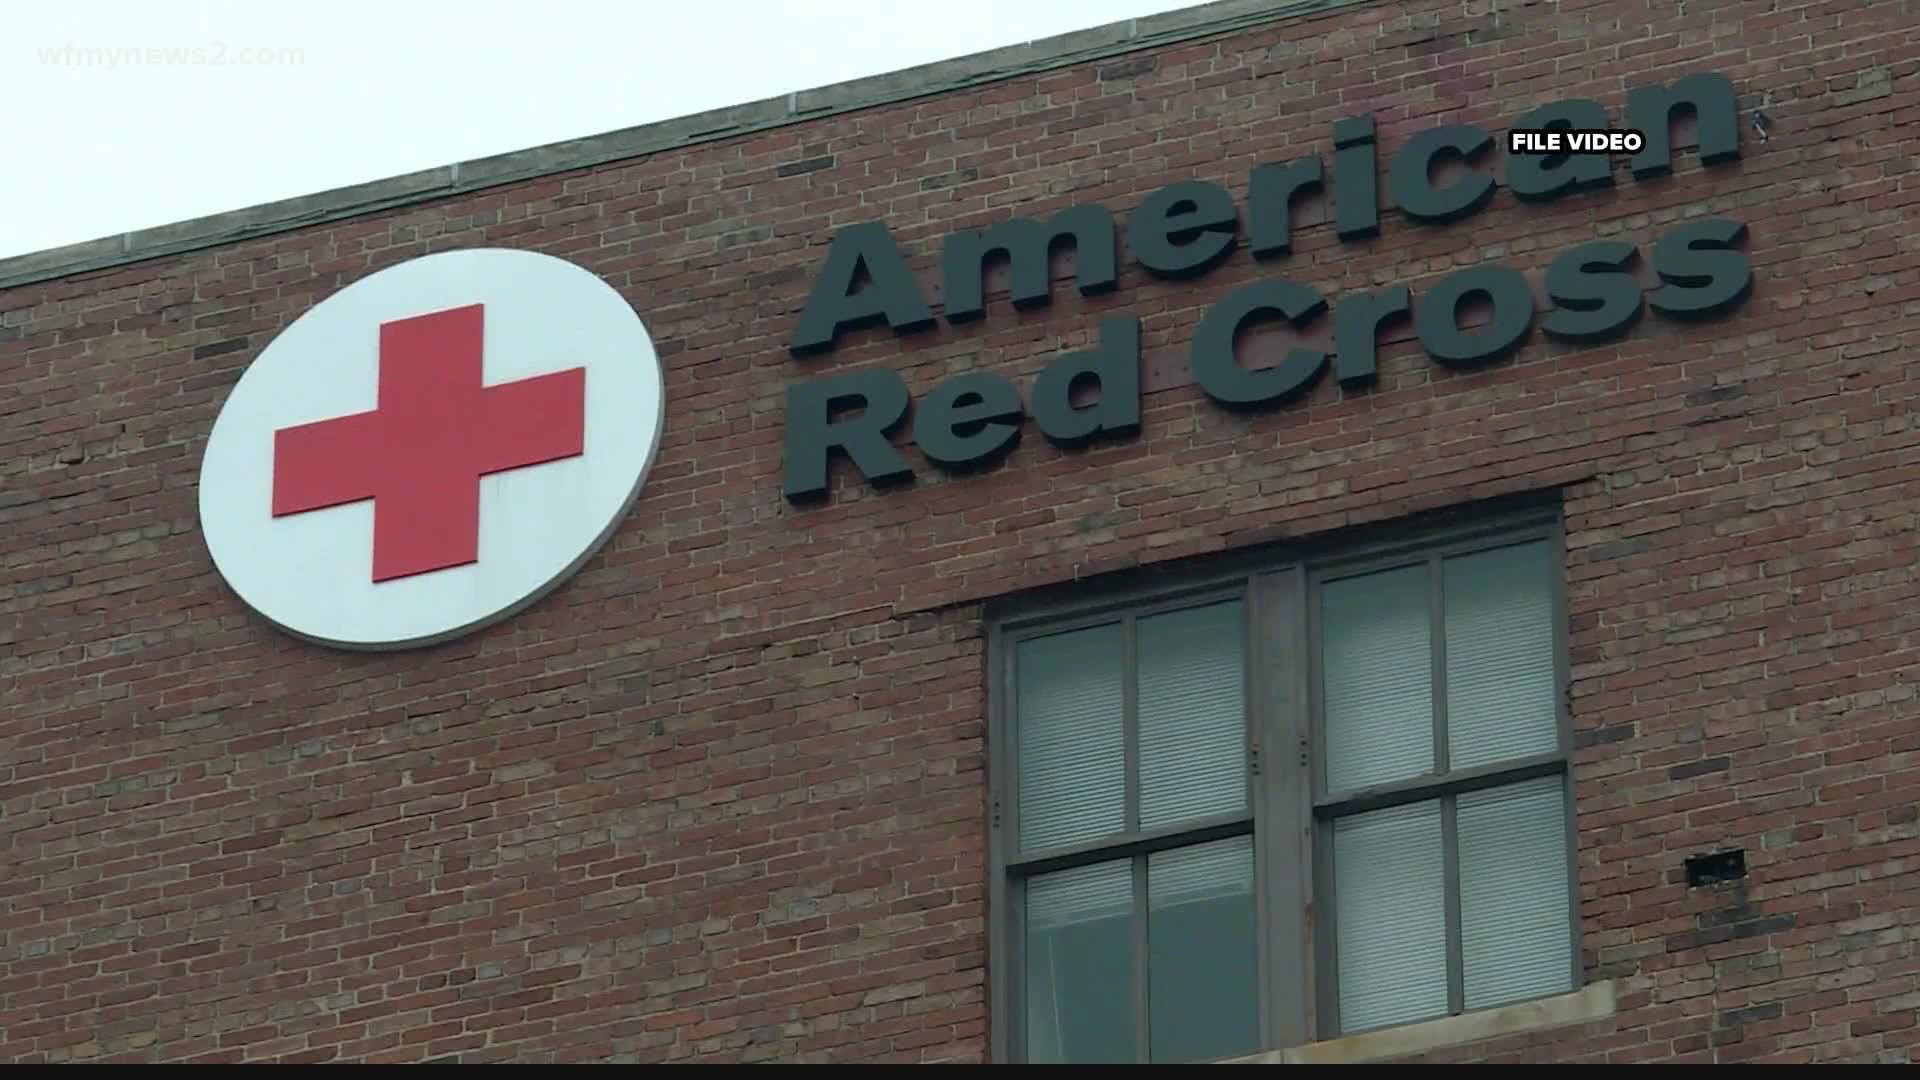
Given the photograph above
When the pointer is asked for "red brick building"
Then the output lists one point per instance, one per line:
(1534, 684)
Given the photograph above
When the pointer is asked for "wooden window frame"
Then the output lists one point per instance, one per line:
(1290, 814)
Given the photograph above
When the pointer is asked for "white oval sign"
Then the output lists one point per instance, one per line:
(431, 449)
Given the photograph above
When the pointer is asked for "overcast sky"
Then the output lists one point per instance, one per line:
(248, 102)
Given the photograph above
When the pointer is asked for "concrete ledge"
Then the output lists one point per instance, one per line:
(1206, 20)
(1594, 1002)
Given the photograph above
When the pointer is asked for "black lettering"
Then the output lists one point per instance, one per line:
(969, 421)
(1029, 247)
(1651, 111)
(1705, 274)
(1409, 178)
(1357, 320)
(890, 296)
(1184, 229)
(1271, 192)
(1539, 178)
(1594, 295)
(813, 435)
(1356, 183)
(1115, 365)
(1220, 374)
(1436, 319)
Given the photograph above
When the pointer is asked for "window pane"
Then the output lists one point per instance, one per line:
(1203, 997)
(1516, 934)
(1500, 652)
(1080, 965)
(1192, 714)
(1377, 678)
(1072, 760)
(1390, 884)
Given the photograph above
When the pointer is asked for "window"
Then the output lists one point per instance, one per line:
(1180, 776)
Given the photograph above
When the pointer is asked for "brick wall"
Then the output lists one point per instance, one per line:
(722, 795)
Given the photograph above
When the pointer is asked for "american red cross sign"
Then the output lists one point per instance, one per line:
(432, 449)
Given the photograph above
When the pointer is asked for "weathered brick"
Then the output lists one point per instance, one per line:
(722, 796)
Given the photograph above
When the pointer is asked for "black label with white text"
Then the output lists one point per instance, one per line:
(1577, 141)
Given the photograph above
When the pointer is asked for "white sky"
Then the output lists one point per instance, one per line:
(102, 137)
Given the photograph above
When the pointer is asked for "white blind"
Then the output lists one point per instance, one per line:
(1377, 678)
(1192, 713)
(1515, 932)
(1072, 758)
(1083, 894)
(1211, 871)
(1391, 929)
(1500, 655)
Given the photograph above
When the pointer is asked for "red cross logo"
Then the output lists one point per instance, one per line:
(421, 453)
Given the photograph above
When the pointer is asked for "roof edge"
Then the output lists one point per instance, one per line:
(459, 178)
